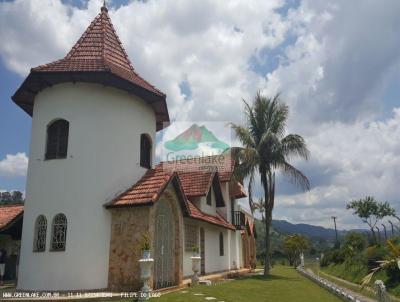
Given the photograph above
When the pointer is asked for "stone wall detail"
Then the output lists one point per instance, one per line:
(127, 226)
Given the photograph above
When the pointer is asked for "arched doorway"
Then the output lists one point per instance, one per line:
(164, 256)
(202, 253)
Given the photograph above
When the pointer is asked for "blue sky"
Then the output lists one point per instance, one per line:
(338, 74)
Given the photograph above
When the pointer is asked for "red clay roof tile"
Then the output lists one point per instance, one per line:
(193, 183)
(97, 57)
(99, 49)
(196, 213)
(223, 164)
(146, 191)
(8, 213)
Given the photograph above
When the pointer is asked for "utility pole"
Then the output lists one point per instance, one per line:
(391, 223)
(334, 222)
(379, 235)
(384, 227)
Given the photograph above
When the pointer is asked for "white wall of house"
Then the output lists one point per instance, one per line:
(226, 210)
(102, 161)
(215, 262)
(204, 207)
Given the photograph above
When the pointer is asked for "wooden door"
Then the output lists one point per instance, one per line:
(164, 260)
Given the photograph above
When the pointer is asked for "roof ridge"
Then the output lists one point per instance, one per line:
(12, 205)
(105, 14)
(98, 56)
(81, 38)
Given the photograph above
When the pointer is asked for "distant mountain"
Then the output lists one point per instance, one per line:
(312, 231)
(192, 137)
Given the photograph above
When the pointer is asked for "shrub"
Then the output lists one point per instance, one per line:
(373, 254)
(334, 256)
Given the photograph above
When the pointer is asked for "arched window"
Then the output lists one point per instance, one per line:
(57, 139)
(59, 232)
(221, 244)
(145, 151)
(39, 241)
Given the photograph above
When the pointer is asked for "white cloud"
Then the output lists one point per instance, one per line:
(348, 162)
(335, 60)
(14, 165)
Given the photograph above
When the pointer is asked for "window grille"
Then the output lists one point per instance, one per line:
(59, 233)
(39, 244)
(57, 139)
(191, 237)
(145, 151)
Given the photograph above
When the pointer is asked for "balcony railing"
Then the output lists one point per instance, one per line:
(238, 219)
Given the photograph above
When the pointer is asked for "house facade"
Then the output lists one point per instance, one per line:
(93, 188)
(11, 217)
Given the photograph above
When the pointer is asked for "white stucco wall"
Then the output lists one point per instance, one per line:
(204, 207)
(215, 262)
(226, 210)
(103, 160)
(187, 264)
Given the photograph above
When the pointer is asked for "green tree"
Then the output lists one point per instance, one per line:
(6, 197)
(353, 244)
(293, 246)
(17, 196)
(266, 149)
(371, 212)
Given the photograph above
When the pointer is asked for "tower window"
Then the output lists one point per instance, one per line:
(221, 244)
(39, 243)
(57, 139)
(59, 232)
(145, 151)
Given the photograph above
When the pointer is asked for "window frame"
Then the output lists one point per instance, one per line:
(60, 140)
(37, 227)
(53, 233)
(221, 244)
(145, 162)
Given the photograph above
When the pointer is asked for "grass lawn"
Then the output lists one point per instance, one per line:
(284, 285)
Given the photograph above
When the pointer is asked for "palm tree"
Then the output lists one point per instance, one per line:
(393, 260)
(260, 206)
(266, 149)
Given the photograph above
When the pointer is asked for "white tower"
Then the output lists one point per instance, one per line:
(94, 121)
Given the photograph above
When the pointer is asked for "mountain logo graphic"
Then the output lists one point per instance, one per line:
(193, 137)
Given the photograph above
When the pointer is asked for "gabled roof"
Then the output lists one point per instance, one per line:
(195, 183)
(9, 214)
(196, 213)
(148, 190)
(224, 164)
(151, 186)
(97, 57)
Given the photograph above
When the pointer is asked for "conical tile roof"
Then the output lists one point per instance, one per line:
(97, 57)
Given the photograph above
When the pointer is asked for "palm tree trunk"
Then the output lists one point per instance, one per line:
(267, 221)
(250, 192)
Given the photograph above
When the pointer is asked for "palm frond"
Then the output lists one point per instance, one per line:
(295, 176)
(244, 135)
(294, 144)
